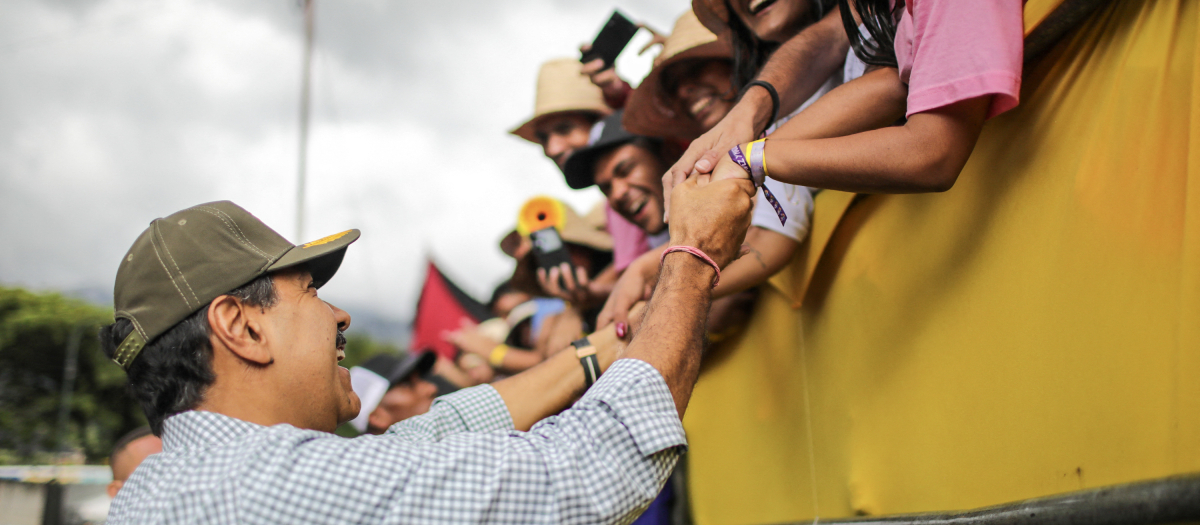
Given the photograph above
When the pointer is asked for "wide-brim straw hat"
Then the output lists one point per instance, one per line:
(562, 88)
(651, 111)
(714, 14)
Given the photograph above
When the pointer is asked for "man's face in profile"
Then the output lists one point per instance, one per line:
(560, 134)
(631, 178)
(411, 397)
(127, 459)
(302, 334)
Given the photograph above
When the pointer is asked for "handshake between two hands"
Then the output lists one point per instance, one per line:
(712, 215)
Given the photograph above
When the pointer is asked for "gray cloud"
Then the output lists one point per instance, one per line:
(116, 112)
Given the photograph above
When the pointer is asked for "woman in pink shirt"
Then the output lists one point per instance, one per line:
(961, 61)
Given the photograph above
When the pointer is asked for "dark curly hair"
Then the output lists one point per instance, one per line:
(880, 19)
(172, 372)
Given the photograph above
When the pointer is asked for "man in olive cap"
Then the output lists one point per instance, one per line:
(234, 359)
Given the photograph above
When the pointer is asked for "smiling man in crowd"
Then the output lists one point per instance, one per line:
(628, 169)
(234, 360)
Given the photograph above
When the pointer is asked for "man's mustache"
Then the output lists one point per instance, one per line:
(341, 339)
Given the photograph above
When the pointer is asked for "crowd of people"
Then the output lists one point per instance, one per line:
(881, 120)
(791, 96)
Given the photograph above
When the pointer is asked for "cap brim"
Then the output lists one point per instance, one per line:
(578, 169)
(420, 362)
(322, 257)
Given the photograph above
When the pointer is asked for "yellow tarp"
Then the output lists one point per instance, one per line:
(1034, 330)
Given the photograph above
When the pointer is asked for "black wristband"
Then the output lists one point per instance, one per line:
(589, 361)
(774, 99)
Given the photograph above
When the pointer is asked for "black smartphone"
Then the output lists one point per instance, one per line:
(549, 251)
(613, 38)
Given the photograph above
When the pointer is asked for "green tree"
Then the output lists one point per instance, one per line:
(35, 332)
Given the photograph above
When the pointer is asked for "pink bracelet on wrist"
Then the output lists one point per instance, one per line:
(694, 251)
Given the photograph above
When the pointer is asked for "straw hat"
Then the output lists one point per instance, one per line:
(650, 110)
(713, 14)
(562, 87)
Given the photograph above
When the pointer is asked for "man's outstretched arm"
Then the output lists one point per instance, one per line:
(713, 217)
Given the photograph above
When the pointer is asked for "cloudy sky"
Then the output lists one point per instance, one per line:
(114, 112)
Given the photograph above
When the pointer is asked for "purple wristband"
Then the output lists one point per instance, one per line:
(757, 170)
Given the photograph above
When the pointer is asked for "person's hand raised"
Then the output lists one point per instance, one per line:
(607, 80)
(712, 215)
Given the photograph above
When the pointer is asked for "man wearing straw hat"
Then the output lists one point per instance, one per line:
(566, 107)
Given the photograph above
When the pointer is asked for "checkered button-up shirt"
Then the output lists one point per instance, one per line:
(601, 461)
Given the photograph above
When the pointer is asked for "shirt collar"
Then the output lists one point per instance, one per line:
(200, 429)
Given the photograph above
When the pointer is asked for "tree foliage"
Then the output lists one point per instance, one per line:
(35, 331)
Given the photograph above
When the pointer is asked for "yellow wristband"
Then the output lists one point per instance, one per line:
(498, 353)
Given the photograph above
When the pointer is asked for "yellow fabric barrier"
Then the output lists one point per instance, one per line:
(1034, 330)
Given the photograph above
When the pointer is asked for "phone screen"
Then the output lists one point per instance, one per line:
(549, 251)
(613, 38)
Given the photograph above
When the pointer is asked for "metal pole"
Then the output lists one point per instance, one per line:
(70, 368)
(305, 81)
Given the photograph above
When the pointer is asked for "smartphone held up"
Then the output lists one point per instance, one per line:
(611, 40)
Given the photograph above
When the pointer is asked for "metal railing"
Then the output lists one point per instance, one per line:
(1168, 500)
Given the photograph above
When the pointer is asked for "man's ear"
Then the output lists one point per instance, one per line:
(238, 327)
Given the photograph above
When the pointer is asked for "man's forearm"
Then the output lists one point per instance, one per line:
(671, 336)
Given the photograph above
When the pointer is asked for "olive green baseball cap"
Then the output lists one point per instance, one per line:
(185, 260)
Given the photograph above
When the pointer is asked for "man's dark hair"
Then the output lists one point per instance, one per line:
(172, 372)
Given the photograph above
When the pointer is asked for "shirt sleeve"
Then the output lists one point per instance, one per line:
(601, 461)
(796, 202)
(951, 50)
(475, 409)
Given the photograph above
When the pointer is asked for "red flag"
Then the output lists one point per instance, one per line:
(442, 307)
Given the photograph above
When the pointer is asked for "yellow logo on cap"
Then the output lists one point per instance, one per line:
(325, 240)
